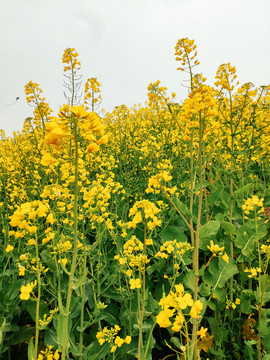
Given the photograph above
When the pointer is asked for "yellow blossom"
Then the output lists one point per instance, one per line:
(202, 332)
(9, 248)
(135, 283)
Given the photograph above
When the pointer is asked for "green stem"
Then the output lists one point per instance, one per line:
(196, 246)
(82, 299)
(38, 297)
(75, 248)
(140, 342)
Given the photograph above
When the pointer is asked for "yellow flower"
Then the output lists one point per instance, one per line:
(9, 248)
(21, 270)
(113, 348)
(93, 147)
(215, 248)
(63, 261)
(127, 339)
(79, 111)
(163, 318)
(225, 257)
(176, 327)
(26, 290)
(237, 301)
(119, 341)
(135, 283)
(47, 159)
(202, 332)
(103, 140)
(50, 219)
(148, 242)
(56, 355)
(196, 309)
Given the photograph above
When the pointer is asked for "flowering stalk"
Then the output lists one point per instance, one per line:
(82, 289)
(75, 246)
(38, 297)
(193, 351)
(140, 342)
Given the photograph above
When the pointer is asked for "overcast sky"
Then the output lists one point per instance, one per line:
(126, 44)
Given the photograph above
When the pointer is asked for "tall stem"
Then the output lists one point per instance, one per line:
(140, 342)
(231, 196)
(196, 247)
(191, 187)
(38, 297)
(75, 246)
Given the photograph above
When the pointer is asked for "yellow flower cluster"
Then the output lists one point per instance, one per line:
(251, 203)
(70, 59)
(157, 95)
(47, 319)
(110, 336)
(26, 290)
(225, 76)
(155, 182)
(133, 259)
(217, 250)
(149, 211)
(42, 110)
(253, 271)
(47, 159)
(9, 248)
(48, 354)
(98, 197)
(231, 304)
(92, 91)
(173, 247)
(54, 133)
(62, 246)
(185, 51)
(265, 249)
(26, 214)
(202, 332)
(172, 306)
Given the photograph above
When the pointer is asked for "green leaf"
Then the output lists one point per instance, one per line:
(31, 308)
(24, 334)
(148, 355)
(226, 199)
(82, 280)
(181, 206)
(219, 272)
(50, 338)
(243, 191)
(96, 351)
(215, 195)
(248, 234)
(4, 326)
(108, 317)
(189, 280)
(171, 233)
(176, 342)
(229, 228)
(31, 349)
(60, 329)
(264, 329)
(209, 230)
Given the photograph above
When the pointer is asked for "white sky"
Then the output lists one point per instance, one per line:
(126, 44)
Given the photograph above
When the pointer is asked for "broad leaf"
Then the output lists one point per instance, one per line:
(219, 272)
(248, 235)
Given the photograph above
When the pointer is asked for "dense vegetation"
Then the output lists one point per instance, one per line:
(140, 233)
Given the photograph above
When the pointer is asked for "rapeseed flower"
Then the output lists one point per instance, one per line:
(26, 290)
(9, 248)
